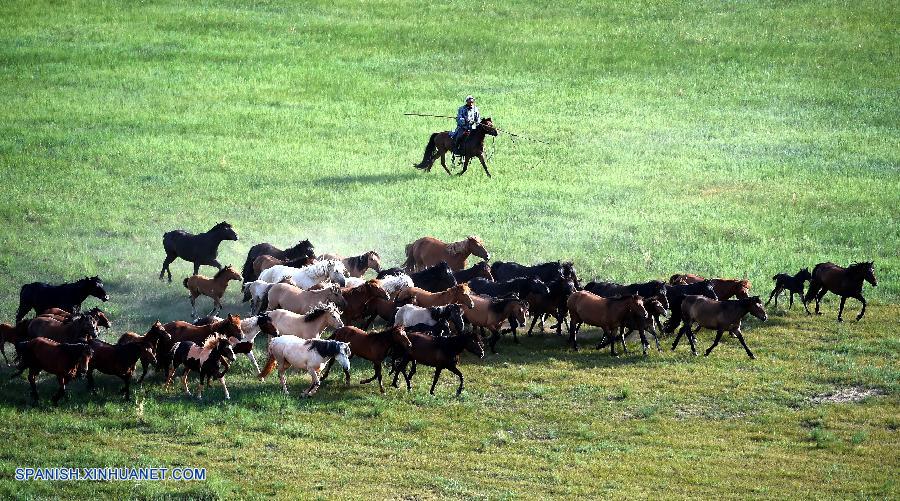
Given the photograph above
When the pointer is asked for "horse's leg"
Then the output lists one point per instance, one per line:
(283, 379)
(534, 321)
(841, 309)
(573, 333)
(376, 366)
(719, 333)
(316, 382)
(495, 336)
(791, 301)
(692, 338)
(412, 372)
(740, 336)
(127, 389)
(196, 268)
(3, 350)
(144, 373)
(863, 310)
(803, 300)
(32, 381)
(644, 343)
(772, 295)
(622, 335)
(225, 386)
(678, 336)
(437, 374)
(465, 166)
(193, 306)
(62, 389)
(184, 379)
(252, 358)
(459, 374)
(819, 296)
(90, 381)
(483, 164)
(165, 266)
(444, 163)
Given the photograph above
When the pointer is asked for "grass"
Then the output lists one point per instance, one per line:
(722, 138)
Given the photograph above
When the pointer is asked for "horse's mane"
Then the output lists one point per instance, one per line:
(319, 310)
(325, 347)
(222, 272)
(212, 342)
(499, 304)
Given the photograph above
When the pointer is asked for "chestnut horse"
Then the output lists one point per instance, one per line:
(719, 315)
(429, 251)
(610, 314)
(64, 360)
(356, 300)
(472, 147)
(79, 328)
(214, 288)
(488, 313)
(845, 282)
(725, 288)
(117, 360)
(371, 346)
(457, 294)
(12, 334)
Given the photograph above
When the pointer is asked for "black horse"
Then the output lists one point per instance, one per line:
(792, 284)
(472, 147)
(522, 287)
(547, 272)
(554, 303)
(675, 295)
(845, 282)
(303, 250)
(610, 289)
(198, 249)
(40, 296)
(437, 278)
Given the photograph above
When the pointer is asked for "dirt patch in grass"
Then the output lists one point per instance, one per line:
(842, 395)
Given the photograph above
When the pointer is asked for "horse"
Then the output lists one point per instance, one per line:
(652, 289)
(429, 251)
(553, 303)
(12, 334)
(845, 282)
(371, 346)
(438, 352)
(480, 270)
(521, 287)
(250, 327)
(725, 288)
(356, 300)
(310, 355)
(257, 292)
(307, 276)
(472, 147)
(607, 313)
(632, 323)
(61, 315)
(214, 287)
(357, 265)
(39, 296)
(117, 360)
(718, 315)
(489, 313)
(199, 249)
(301, 301)
(266, 261)
(302, 250)
(64, 360)
(547, 272)
(434, 278)
(411, 315)
(456, 294)
(675, 294)
(393, 284)
(307, 326)
(792, 284)
(185, 331)
(211, 360)
(79, 328)
(151, 340)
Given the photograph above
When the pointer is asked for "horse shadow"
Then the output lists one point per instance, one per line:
(346, 180)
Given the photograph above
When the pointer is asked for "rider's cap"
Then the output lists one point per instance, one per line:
(469, 99)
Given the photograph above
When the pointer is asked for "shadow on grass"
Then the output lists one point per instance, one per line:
(366, 179)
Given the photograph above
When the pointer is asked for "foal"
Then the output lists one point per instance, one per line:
(372, 346)
(792, 284)
(718, 315)
(211, 360)
(214, 287)
(64, 360)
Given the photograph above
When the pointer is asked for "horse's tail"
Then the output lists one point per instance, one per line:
(185, 282)
(270, 364)
(428, 156)
(410, 262)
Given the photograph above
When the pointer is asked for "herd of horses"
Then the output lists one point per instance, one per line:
(434, 308)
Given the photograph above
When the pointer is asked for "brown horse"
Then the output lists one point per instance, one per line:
(719, 315)
(61, 315)
(64, 360)
(845, 282)
(357, 266)
(78, 328)
(186, 331)
(472, 147)
(607, 313)
(117, 360)
(152, 339)
(488, 313)
(213, 288)
(357, 299)
(725, 288)
(371, 346)
(438, 352)
(266, 261)
(429, 251)
(297, 300)
(459, 294)
(12, 334)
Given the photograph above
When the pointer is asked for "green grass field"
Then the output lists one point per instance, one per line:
(735, 139)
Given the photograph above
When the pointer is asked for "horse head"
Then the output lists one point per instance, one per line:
(869, 273)
(804, 274)
(453, 313)
(336, 272)
(754, 306)
(476, 246)
(487, 125)
(93, 286)
(373, 260)
(398, 335)
(224, 231)
(636, 306)
(157, 332)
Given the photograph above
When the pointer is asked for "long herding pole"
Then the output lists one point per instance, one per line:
(498, 128)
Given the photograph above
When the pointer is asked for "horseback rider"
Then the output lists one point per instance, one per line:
(467, 119)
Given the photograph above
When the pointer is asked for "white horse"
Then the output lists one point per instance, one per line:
(352, 282)
(257, 290)
(250, 328)
(393, 284)
(410, 314)
(308, 276)
(310, 355)
(307, 326)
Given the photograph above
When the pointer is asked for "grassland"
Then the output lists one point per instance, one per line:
(722, 138)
